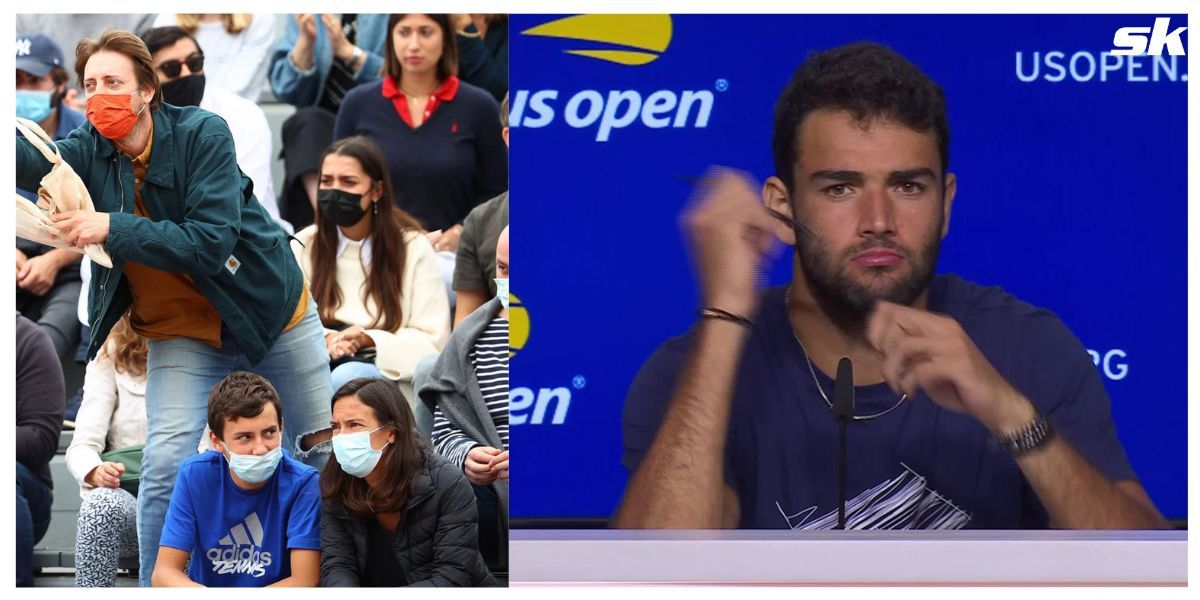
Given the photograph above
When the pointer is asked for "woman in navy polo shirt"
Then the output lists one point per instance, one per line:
(441, 136)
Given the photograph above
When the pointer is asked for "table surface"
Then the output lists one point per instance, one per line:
(553, 557)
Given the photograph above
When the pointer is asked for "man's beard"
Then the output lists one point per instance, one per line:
(846, 300)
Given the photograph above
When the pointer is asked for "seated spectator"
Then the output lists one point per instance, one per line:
(111, 417)
(237, 48)
(181, 65)
(374, 276)
(246, 513)
(66, 29)
(483, 51)
(394, 513)
(318, 59)
(440, 136)
(475, 261)
(468, 391)
(39, 402)
(47, 278)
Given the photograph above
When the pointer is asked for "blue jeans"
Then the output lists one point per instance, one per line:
(352, 370)
(180, 374)
(33, 519)
(421, 413)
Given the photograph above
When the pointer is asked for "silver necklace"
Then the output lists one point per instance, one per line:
(788, 294)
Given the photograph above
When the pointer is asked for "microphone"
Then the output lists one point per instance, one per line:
(843, 411)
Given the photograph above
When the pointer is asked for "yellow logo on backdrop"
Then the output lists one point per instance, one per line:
(518, 325)
(645, 37)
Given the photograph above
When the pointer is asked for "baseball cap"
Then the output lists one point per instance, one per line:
(37, 54)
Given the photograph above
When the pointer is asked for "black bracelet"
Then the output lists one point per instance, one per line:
(724, 315)
(1028, 438)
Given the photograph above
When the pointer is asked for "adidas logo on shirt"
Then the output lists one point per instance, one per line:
(241, 550)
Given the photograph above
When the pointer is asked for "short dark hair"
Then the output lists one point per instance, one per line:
(240, 395)
(158, 38)
(866, 79)
(447, 64)
(504, 111)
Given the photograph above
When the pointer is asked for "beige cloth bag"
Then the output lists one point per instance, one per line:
(61, 190)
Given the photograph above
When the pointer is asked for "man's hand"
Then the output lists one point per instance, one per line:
(445, 240)
(499, 465)
(21, 259)
(731, 234)
(82, 227)
(342, 48)
(922, 350)
(106, 475)
(75, 100)
(38, 273)
(478, 465)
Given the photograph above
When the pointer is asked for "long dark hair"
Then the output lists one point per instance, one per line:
(447, 64)
(401, 460)
(385, 275)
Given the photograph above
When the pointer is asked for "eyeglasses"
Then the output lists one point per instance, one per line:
(194, 62)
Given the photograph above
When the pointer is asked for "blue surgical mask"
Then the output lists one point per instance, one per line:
(33, 105)
(254, 469)
(502, 290)
(355, 454)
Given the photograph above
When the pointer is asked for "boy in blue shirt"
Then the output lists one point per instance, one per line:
(246, 513)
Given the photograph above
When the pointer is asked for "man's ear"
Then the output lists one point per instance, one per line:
(215, 442)
(948, 202)
(775, 196)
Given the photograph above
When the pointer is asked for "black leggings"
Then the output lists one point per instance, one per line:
(487, 503)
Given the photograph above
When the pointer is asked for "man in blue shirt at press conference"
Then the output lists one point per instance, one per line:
(973, 408)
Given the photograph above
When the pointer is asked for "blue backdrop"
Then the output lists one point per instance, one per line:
(1072, 167)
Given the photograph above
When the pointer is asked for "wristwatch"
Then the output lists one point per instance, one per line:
(1028, 438)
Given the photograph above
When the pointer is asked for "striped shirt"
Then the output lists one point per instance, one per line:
(489, 358)
(341, 76)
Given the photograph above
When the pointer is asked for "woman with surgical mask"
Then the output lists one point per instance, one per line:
(394, 513)
(373, 274)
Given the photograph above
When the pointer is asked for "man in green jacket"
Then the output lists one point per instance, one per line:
(198, 264)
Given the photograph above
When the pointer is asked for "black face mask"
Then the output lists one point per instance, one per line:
(185, 91)
(340, 207)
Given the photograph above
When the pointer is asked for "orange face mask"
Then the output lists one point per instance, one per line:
(111, 114)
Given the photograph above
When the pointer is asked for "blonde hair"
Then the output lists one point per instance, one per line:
(234, 23)
(126, 348)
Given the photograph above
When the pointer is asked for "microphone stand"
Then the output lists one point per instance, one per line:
(843, 411)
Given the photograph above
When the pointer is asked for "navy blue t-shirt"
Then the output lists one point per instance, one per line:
(918, 467)
(241, 538)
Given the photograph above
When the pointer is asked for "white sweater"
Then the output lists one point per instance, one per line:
(425, 325)
(111, 416)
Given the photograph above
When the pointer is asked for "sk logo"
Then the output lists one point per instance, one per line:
(23, 47)
(644, 37)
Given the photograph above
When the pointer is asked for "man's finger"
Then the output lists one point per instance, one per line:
(899, 366)
(62, 216)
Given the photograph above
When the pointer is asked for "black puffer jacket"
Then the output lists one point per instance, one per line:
(437, 541)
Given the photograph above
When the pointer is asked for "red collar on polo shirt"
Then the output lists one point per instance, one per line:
(444, 93)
